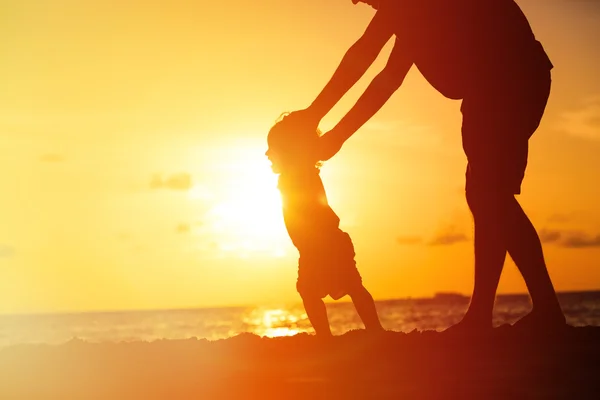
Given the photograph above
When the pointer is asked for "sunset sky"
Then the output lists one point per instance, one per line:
(132, 140)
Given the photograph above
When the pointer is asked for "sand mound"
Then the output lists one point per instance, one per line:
(506, 364)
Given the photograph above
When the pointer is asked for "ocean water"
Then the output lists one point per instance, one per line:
(405, 315)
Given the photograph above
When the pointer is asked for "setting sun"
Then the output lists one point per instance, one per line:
(245, 214)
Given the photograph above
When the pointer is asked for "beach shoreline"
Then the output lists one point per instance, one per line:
(508, 363)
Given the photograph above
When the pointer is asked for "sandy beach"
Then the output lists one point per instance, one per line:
(505, 364)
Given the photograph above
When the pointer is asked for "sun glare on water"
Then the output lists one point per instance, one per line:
(245, 217)
(276, 322)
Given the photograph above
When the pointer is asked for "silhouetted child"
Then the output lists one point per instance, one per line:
(326, 265)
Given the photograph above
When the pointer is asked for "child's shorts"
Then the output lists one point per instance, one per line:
(328, 268)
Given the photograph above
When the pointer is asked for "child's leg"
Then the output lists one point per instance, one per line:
(317, 314)
(365, 307)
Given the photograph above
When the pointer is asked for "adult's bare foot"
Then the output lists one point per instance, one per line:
(538, 321)
(470, 325)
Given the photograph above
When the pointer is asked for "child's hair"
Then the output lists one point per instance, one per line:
(288, 137)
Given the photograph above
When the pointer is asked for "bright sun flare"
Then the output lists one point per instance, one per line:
(245, 216)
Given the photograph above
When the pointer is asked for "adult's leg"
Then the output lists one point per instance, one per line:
(496, 130)
(501, 225)
(490, 254)
(523, 242)
(525, 248)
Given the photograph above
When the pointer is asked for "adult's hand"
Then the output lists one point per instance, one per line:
(305, 119)
(330, 144)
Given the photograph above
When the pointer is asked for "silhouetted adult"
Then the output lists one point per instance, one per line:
(485, 53)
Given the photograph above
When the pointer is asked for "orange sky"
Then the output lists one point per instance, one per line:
(132, 137)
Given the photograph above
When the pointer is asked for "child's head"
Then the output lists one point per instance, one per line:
(291, 147)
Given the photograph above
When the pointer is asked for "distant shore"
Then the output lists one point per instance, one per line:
(506, 364)
(591, 295)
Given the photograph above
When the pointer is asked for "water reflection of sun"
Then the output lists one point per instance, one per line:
(245, 217)
(277, 322)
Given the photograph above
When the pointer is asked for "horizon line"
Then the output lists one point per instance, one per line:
(130, 310)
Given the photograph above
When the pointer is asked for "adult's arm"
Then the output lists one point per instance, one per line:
(354, 64)
(375, 96)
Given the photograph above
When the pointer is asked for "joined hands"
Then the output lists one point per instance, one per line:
(330, 142)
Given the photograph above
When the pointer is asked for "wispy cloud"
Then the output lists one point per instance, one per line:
(549, 236)
(448, 239)
(584, 121)
(448, 236)
(569, 239)
(52, 158)
(408, 240)
(183, 228)
(561, 218)
(6, 251)
(394, 126)
(581, 240)
(123, 236)
(445, 236)
(182, 181)
(557, 237)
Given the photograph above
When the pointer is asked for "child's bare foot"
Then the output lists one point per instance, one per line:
(375, 329)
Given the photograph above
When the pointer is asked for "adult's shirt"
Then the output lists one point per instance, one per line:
(465, 45)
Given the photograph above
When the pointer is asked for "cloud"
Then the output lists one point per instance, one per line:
(549, 236)
(560, 218)
(181, 181)
(6, 251)
(583, 122)
(183, 228)
(408, 240)
(395, 126)
(380, 126)
(581, 240)
(448, 239)
(569, 239)
(448, 236)
(52, 158)
(123, 236)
